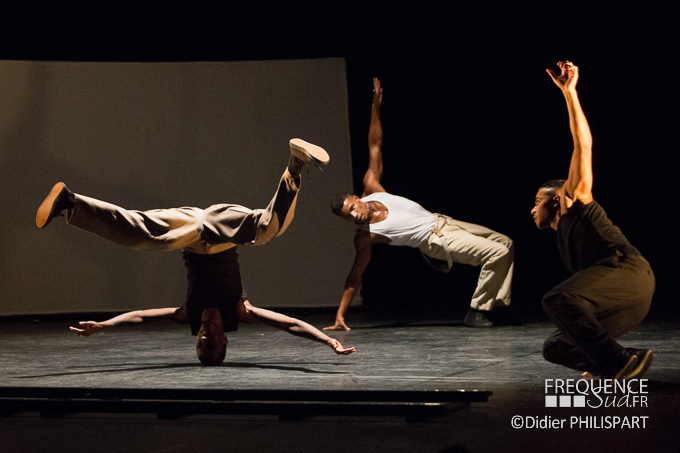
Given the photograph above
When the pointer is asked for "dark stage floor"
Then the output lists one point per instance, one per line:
(430, 359)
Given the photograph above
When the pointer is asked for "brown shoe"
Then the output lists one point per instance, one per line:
(59, 198)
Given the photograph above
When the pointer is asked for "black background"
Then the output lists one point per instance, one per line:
(472, 123)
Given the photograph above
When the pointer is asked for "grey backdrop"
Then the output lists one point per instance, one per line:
(160, 135)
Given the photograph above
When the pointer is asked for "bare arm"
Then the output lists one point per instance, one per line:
(375, 136)
(176, 314)
(363, 245)
(251, 314)
(579, 183)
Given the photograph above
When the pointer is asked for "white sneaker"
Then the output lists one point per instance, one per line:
(308, 153)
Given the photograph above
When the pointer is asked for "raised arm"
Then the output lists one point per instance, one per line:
(176, 314)
(375, 136)
(579, 183)
(363, 246)
(251, 314)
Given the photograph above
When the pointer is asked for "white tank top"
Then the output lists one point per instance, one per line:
(407, 222)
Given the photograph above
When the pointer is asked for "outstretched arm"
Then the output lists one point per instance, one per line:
(363, 246)
(251, 314)
(579, 183)
(176, 314)
(375, 136)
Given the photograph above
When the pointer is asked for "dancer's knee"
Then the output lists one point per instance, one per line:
(498, 253)
(553, 300)
(511, 248)
(550, 351)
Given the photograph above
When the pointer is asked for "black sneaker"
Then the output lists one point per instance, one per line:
(645, 357)
(60, 198)
(477, 318)
(622, 366)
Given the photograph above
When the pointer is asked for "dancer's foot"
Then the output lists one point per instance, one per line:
(624, 365)
(59, 198)
(308, 153)
(303, 154)
(477, 318)
(645, 357)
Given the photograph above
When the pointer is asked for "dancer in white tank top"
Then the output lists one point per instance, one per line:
(383, 218)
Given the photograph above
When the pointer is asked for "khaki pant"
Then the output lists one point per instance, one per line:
(477, 246)
(204, 231)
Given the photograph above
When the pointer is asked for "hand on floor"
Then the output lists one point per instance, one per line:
(339, 325)
(89, 327)
(337, 347)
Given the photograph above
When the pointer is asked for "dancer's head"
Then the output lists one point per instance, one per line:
(211, 342)
(547, 204)
(350, 207)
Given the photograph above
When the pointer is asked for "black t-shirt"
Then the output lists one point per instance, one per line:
(213, 281)
(585, 236)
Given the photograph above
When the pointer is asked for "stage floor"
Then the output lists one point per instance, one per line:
(417, 357)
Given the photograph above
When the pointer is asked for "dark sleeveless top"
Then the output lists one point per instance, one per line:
(214, 280)
(586, 236)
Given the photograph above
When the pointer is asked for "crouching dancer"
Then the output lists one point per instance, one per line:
(611, 286)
